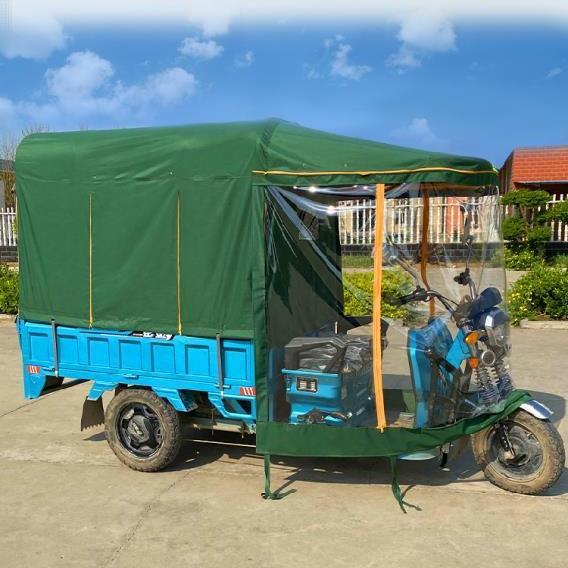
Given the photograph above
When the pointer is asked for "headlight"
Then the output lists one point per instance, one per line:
(496, 326)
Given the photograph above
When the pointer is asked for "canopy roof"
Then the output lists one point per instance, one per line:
(272, 151)
(160, 229)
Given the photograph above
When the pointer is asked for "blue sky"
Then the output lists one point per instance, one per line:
(470, 87)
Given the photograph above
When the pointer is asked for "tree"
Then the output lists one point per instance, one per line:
(559, 212)
(526, 227)
(8, 146)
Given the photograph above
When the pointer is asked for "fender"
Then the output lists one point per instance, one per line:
(537, 409)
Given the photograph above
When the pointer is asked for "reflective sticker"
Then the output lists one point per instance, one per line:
(248, 391)
(34, 369)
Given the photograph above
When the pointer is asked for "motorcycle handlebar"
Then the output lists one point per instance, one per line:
(422, 295)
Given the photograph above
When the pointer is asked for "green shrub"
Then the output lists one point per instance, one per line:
(521, 259)
(560, 261)
(358, 293)
(537, 237)
(9, 292)
(542, 292)
(526, 198)
(513, 228)
(526, 227)
(558, 212)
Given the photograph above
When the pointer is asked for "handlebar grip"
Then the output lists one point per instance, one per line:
(405, 299)
(419, 295)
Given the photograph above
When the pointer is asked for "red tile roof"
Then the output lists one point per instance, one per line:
(540, 164)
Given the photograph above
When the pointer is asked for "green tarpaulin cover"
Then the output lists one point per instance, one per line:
(156, 229)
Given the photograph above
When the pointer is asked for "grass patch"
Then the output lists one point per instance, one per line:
(357, 261)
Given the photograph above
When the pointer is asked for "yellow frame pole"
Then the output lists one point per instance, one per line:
(377, 287)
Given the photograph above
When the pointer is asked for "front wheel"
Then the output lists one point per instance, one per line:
(538, 459)
(142, 429)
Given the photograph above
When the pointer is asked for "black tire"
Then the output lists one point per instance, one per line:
(540, 454)
(143, 430)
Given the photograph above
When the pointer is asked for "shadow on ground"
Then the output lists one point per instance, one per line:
(201, 448)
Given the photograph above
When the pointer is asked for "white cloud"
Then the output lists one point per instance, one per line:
(340, 66)
(245, 60)
(422, 30)
(421, 34)
(38, 25)
(83, 73)
(85, 88)
(200, 49)
(167, 87)
(335, 62)
(554, 72)
(311, 73)
(404, 58)
(30, 33)
(418, 132)
(6, 108)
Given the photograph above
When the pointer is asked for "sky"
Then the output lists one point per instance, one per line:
(460, 77)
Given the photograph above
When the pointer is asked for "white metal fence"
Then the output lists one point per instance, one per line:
(403, 220)
(8, 236)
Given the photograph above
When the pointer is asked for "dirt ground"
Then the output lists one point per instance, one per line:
(66, 501)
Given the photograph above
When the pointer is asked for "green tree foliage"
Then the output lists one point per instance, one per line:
(526, 198)
(559, 212)
(526, 228)
(514, 228)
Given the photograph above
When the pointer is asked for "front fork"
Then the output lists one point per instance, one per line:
(533, 407)
(503, 435)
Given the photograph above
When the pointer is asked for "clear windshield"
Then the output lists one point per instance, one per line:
(440, 249)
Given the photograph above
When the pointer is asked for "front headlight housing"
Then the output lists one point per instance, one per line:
(496, 326)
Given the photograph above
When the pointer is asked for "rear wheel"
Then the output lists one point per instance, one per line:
(538, 459)
(143, 430)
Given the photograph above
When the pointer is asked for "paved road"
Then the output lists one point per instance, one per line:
(66, 501)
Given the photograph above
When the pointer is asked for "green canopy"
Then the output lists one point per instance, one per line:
(160, 229)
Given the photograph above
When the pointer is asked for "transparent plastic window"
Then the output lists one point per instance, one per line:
(443, 332)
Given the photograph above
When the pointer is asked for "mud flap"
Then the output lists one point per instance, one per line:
(93, 413)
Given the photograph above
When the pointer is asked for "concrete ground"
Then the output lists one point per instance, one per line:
(66, 501)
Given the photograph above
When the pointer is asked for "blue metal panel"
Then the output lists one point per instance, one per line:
(432, 340)
(347, 394)
(171, 367)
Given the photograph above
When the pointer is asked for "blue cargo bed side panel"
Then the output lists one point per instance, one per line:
(178, 363)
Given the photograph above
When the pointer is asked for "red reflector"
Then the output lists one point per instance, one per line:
(248, 391)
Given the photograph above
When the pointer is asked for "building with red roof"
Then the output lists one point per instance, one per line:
(540, 168)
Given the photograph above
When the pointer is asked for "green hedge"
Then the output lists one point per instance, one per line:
(541, 293)
(358, 291)
(9, 292)
(521, 259)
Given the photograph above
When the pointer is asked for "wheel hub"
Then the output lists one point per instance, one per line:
(139, 430)
(528, 455)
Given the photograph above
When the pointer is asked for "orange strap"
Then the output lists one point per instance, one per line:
(424, 245)
(377, 285)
